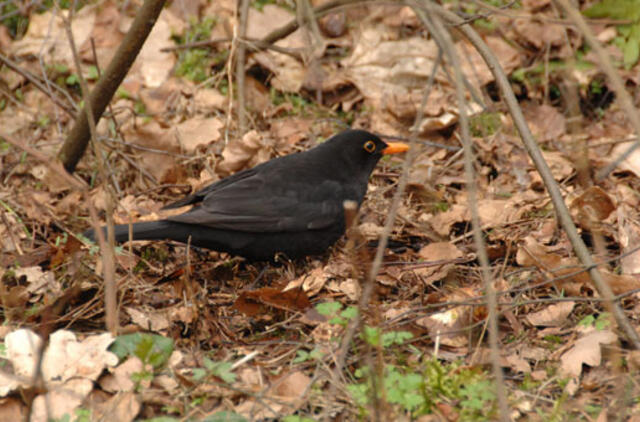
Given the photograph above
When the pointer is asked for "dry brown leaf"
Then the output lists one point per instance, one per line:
(249, 151)
(349, 287)
(592, 207)
(158, 99)
(46, 35)
(443, 221)
(532, 253)
(539, 33)
(207, 99)
(553, 315)
(154, 321)
(444, 252)
(153, 135)
(38, 281)
(586, 350)
(254, 302)
(534, 5)
(546, 122)
(155, 66)
(289, 74)
(66, 357)
(391, 74)
(629, 239)
(123, 407)
(12, 409)
(630, 163)
(290, 131)
(198, 131)
(448, 327)
(68, 367)
(285, 394)
(474, 66)
(105, 35)
(60, 400)
(311, 282)
(120, 378)
(494, 212)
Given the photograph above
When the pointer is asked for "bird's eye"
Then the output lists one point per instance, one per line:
(369, 146)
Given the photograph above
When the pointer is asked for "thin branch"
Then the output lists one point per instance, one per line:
(444, 40)
(545, 173)
(617, 85)
(243, 17)
(107, 248)
(78, 138)
(37, 83)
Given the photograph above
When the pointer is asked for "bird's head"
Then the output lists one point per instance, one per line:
(361, 149)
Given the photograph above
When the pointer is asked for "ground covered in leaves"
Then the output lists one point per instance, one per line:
(207, 336)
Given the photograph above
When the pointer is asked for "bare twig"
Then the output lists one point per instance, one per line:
(384, 237)
(107, 248)
(446, 43)
(36, 82)
(617, 85)
(78, 138)
(543, 168)
(243, 18)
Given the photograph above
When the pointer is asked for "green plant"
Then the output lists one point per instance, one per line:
(195, 63)
(418, 391)
(628, 39)
(152, 349)
(299, 105)
(600, 322)
(485, 124)
(13, 19)
(303, 355)
(337, 315)
(220, 370)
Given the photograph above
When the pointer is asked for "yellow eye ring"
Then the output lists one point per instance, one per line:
(369, 146)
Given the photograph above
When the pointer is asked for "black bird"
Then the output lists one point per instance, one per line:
(291, 205)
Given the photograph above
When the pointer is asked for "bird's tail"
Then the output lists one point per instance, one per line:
(148, 230)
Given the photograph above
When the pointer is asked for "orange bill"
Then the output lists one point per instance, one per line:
(395, 148)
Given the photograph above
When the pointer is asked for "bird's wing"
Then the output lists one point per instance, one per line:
(198, 196)
(270, 202)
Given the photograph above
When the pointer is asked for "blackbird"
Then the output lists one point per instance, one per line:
(291, 204)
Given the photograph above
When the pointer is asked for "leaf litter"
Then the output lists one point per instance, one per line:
(371, 72)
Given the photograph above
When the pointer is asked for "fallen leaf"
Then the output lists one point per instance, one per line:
(123, 407)
(592, 207)
(567, 269)
(254, 302)
(120, 378)
(553, 315)
(249, 151)
(198, 131)
(586, 350)
(630, 163)
(62, 399)
(153, 321)
(46, 36)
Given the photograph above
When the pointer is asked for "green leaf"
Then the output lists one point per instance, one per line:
(151, 349)
(631, 49)
(616, 9)
(371, 335)
(92, 74)
(301, 356)
(220, 369)
(328, 308)
(395, 337)
(349, 313)
(225, 417)
(72, 79)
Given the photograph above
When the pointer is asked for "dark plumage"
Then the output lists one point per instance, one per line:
(291, 204)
